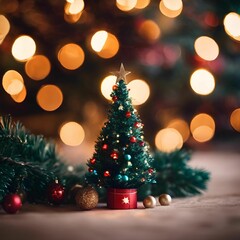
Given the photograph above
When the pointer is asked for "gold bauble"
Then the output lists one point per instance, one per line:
(149, 202)
(86, 198)
(165, 199)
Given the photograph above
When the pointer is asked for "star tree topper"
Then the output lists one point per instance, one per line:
(121, 74)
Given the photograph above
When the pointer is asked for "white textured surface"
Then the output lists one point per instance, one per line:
(214, 215)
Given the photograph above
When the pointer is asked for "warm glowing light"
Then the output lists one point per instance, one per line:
(49, 97)
(231, 24)
(139, 91)
(235, 119)
(173, 5)
(98, 40)
(168, 12)
(72, 18)
(142, 4)
(5, 27)
(72, 133)
(12, 82)
(105, 44)
(38, 67)
(203, 134)
(168, 140)
(23, 48)
(202, 82)
(202, 127)
(71, 56)
(74, 7)
(126, 5)
(149, 30)
(20, 97)
(206, 48)
(106, 86)
(181, 126)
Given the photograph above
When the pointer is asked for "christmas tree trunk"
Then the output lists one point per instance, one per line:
(121, 161)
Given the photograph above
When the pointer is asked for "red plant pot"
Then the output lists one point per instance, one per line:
(121, 198)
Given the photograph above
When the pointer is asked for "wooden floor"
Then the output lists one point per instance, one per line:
(214, 215)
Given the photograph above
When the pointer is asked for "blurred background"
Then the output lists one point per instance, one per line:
(56, 59)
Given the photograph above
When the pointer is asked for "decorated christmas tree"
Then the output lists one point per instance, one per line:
(121, 161)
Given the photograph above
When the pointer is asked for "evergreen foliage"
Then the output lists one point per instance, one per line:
(29, 163)
(121, 158)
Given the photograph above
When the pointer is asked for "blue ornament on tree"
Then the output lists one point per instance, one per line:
(127, 157)
(118, 177)
(125, 178)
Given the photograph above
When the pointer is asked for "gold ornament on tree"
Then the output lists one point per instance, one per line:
(165, 199)
(149, 202)
(86, 198)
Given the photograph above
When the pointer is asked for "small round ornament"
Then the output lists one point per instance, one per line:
(90, 170)
(125, 178)
(141, 144)
(12, 203)
(165, 199)
(133, 139)
(128, 114)
(118, 177)
(86, 198)
(127, 157)
(114, 98)
(137, 124)
(114, 87)
(149, 202)
(92, 160)
(104, 146)
(114, 155)
(106, 174)
(56, 193)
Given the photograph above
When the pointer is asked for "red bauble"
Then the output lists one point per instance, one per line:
(12, 203)
(133, 139)
(137, 124)
(105, 146)
(114, 155)
(142, 144)
(56, 193)
(90, 170)
(114, 87)
(106, 174)
(128, 114)
(93, 161)
(114, 98)
(150, 170)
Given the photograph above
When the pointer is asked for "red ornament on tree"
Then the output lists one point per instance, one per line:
(128, 114)
(150, 170)
(106, 174)
(115, 87)
(114, 98)
(142, 144)
(133, 139)
(90, 170)
(114, 155)
(12, 203)
(93, 161)
(56, 193)
(105, 146)
(137, 124)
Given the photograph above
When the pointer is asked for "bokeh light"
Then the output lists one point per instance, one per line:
(168, 12)
(139, 91)
(74, 7)
(149, 30)
(206, 48)
(142, 4)
(5, 27)
(49, 97)
(126, 5)
(202, 127)
(181, 126)
(202, 82)
(231, 24)
(23, 48)
(20, 97)
(106, 86)
(235, 119)
(38, 67)
(168, 140)
(173, 5)
(12, 82)
(105, 44)
(72, 133)
(71, 56)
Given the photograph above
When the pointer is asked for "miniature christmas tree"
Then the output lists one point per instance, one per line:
(121, 161)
